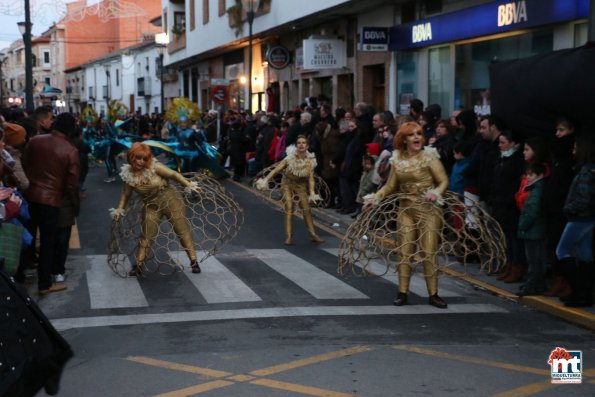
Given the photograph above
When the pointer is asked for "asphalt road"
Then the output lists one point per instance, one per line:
(268, 320)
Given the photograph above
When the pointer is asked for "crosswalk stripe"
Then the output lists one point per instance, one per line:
(417, 285)
(108, 291)
(316, 282)
(63, 324)
(217, 284)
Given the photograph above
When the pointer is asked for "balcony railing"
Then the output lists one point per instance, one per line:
(177, 43)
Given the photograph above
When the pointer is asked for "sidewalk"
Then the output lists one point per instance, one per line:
(337, 224)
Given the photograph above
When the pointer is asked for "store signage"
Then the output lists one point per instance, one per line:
(324, 54)
(485, 19)
(219, 94)
(278, 57)
(512, 13)
(374, 39)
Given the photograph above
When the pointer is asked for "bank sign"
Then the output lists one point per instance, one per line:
(491, 18)
(374, 39)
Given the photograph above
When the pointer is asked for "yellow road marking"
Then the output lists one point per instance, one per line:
(240, 378)
(527, 390)
(211, 373)
(309, 361)
(75, 241)
(192, 390)
(311, 391)
(474, 360)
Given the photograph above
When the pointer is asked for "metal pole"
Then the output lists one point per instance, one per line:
(591, 38)
(250, 15)
(28, 60)
(162, 93)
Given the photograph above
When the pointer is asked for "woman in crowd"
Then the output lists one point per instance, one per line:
(579, 210)
(418, 175)
(298, 182)
(507, 176)
(150, 179)
(554, 195)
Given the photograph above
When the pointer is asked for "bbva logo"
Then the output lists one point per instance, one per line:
(375, 35)
(421, 32)
(512, 13)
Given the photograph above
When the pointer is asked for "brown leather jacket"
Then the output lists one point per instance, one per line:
(52, 165)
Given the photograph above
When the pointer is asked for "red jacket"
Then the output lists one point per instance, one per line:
(52, 165)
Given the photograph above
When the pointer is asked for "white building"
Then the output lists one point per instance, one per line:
(130, 75)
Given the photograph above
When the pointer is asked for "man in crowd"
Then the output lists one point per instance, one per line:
(52, 165)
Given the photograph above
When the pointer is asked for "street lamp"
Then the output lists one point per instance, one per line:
(250, 6)
(25, 29)
(161, 39)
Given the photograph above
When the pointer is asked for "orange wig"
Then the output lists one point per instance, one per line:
(139, 150)
(406, 129)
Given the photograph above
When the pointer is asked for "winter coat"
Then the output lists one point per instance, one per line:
(329, 143)
(532, 218)
(580, 202)
(445, 145)
(506, 181)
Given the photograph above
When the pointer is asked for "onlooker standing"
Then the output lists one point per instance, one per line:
(52, 165)
(555, 191)
(531, 230)
(579, 209)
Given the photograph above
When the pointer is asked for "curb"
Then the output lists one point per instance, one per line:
(550, 306)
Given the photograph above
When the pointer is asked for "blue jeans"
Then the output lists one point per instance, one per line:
(579, 236)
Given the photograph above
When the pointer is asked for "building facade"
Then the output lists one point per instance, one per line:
(383, 53)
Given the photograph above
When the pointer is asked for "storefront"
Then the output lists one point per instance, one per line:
(445, 59)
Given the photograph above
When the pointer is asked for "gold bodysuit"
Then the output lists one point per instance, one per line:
(298, 183)
(418, 221)
(159, 200)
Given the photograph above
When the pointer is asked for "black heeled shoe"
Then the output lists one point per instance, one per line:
(135, 271)
(194, 266)
(437, 301)
(401, 299)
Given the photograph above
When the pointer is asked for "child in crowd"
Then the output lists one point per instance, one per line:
(531, 230)
(461, 150)
(366, 186)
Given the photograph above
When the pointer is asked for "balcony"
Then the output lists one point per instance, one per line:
(178, 42)
(143, 87)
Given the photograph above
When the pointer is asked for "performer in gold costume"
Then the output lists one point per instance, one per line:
(298, 180)
(418, 175)
(147, 177)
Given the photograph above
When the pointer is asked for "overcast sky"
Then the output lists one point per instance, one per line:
(43, 14)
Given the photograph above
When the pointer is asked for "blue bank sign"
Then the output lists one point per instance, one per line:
(485, 19)
(374, 39)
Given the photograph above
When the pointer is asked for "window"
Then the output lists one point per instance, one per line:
(117, 77)
(46, 58)
(192, 15)
(406, 79)
(408, 12)
(47, 80)
(433, 6)
(205, 12)
(473, 60)
(439, 78)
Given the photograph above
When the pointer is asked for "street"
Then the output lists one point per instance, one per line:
(263, 319)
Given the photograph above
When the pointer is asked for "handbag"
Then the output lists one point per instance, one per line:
(11, 238)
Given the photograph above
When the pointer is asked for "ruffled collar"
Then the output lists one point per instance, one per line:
(137, 178)
(299, 166)
(404, 163)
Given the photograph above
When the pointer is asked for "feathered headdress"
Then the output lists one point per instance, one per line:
(116, 110)
(89, 115)
(182, 109)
